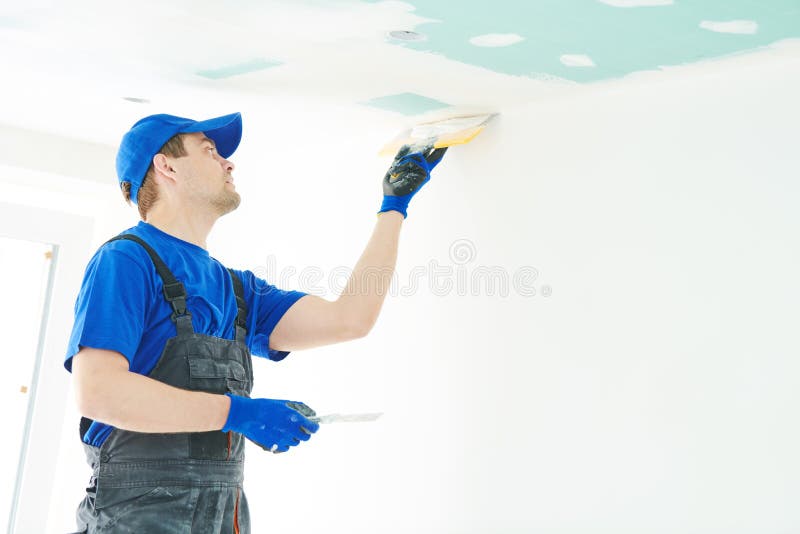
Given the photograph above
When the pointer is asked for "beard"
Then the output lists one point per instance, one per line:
(219, 201)
(225, 202)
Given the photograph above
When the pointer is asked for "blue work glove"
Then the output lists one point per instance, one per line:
(410, 170)
(270, 423)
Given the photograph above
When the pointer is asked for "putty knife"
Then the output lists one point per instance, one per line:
(346, 418)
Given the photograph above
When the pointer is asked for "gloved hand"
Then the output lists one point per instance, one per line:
(410, 170)
(270, 423)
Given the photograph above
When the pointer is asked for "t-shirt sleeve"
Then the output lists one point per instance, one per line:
(112, 304)
(266, 306)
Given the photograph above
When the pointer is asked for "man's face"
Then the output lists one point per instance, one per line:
(207, 178)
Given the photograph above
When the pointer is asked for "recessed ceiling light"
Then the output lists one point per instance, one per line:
(136, 99)
(405, 35)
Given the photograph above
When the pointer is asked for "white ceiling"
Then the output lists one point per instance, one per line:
(68, 67)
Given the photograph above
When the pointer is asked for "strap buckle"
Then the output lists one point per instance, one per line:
(174, 291)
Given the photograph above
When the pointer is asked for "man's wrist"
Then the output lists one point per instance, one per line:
(399, 204)
(393, 213)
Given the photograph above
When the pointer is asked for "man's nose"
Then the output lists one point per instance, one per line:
(228, 165)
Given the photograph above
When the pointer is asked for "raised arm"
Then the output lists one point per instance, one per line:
(313, 321)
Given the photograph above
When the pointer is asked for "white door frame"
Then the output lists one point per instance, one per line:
(71, 236)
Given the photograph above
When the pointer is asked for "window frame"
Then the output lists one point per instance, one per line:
(49, 391)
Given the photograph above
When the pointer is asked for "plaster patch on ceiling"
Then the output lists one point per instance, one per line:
(733, 26)
(577, 60)
(15, 23)
(406, 103)
(637, 3)
(238, 69)
(496, 39)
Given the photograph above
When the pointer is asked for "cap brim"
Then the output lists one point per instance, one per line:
(225, 131)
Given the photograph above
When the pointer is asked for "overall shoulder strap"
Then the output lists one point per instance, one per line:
(173, 290)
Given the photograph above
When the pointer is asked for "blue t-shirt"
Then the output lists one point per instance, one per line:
(121, 305)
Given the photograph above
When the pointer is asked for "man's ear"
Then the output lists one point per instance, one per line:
(162, 166)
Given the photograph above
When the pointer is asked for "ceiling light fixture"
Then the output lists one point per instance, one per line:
(405, 35)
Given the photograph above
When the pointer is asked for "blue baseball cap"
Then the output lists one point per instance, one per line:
(146, 137)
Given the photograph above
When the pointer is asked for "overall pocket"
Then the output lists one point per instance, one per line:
(215, 376)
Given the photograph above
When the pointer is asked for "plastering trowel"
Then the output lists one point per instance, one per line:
(440, 133)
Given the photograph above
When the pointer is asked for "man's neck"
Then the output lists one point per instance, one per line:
(191, 227)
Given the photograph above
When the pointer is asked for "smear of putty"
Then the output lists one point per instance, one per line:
(732, 26)
(577, 60)
(637, 3)
(496, 39)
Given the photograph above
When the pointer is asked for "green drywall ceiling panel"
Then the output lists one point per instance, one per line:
(237, 69)
(406, 103)
(619, 40)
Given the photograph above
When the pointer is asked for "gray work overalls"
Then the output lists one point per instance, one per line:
(176, 483)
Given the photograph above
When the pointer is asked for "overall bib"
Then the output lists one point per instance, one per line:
(176, 482)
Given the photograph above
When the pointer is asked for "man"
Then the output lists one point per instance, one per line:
(163, 335)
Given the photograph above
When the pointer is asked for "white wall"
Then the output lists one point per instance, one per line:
(653, 390)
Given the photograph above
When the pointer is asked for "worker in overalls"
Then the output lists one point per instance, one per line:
(161, 347)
